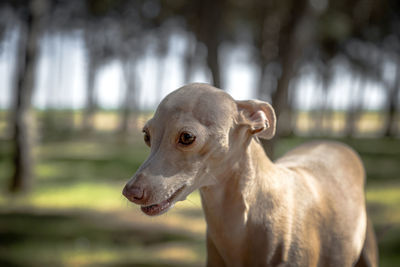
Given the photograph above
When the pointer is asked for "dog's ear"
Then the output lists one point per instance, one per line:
(260, 116)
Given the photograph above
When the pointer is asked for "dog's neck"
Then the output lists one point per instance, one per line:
(226, 204)
(241, 177)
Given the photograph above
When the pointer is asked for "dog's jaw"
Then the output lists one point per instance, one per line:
(164, 206)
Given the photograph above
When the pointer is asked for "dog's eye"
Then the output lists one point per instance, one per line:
(186, 138)
(146, 137)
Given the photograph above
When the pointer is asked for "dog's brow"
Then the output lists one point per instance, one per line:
(146, 127)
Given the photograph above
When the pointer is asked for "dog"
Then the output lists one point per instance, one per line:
(305, 209)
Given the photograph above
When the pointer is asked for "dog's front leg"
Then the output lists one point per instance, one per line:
(214, 259)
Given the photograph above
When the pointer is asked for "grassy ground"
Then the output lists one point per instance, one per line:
(75, 214)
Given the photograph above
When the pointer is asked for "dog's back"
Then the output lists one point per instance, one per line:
(333, 164)
(334, 174)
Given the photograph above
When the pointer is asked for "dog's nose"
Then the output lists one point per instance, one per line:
(135, 194)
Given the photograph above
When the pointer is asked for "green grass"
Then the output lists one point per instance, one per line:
(75, 214)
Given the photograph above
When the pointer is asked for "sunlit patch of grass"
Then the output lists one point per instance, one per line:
(177, 252)
(47, 171)
(384, 202)
(92, 195)
(99, 195)
(388, 195)
(95, 195)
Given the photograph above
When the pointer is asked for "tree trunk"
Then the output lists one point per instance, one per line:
(213, 61)
(267, 42)
(129, 101)
(190, 59)
(159, 85)
(393, 95)
(209, 32)
(292, 44)
(49, 118)
(294, 38)
(25, 74)
(322, 114)
(91, 103)
(354, 113)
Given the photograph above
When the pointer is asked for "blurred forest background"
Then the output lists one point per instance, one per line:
(80, 78)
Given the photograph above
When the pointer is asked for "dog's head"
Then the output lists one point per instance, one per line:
(197, 133)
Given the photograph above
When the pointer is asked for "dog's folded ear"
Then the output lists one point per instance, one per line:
(259, 115)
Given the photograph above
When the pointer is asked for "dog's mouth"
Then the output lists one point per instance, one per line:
(162, 207)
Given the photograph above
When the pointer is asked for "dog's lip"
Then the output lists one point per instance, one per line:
(162, 207)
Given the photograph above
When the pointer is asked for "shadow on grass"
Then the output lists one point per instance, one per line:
(45, 239)
(389, 245)
(387, 234)
(141, 264)
(192, 213)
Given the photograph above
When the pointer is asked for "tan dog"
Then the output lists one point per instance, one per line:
(306, 209)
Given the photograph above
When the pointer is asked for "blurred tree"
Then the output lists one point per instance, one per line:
(190, 56)
(93, 66)
(354, 110)
(266, 24)
(205, 18)
(161, 53)
(131, 49)
(129, 101)
(55, 121)
(392, 99)
(102, 42)
(295, 36)
(31, 27)
(296, 30)
(321, 114)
